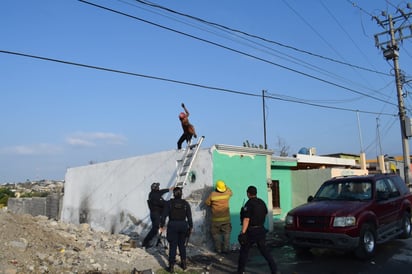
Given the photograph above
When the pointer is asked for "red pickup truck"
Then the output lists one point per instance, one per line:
(353, 213)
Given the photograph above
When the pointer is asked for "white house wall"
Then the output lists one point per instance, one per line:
(306, 182)
(112, 196)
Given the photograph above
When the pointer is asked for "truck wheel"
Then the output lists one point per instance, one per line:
(367, 242)
(406, 226)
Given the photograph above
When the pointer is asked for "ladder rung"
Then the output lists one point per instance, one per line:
(186, 161)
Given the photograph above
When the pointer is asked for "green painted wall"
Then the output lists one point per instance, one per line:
(283, 175)
(239, 171)
(281, 171)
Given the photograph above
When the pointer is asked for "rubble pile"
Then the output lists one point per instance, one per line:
(39, 245)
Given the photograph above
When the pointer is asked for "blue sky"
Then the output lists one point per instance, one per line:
(56, 115)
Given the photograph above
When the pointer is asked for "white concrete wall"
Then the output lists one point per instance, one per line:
(112, 196)
(306, 182)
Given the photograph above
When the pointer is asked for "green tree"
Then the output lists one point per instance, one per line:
(5, 194)
(247, 144)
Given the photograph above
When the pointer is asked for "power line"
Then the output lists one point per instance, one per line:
(386, 131)
(232, 31)
(260, 38)
(300, 101)
(349, 36)
(274, 97)
(240, 52)
(266, 49)
(313, 29)
(127, 73)
(356, 6)
(346, 32)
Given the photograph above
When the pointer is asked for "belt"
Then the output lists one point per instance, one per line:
(255, 226)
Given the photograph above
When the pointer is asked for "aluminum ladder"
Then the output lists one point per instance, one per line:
(185, 164)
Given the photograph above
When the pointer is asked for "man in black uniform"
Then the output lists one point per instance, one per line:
(253, 215)
(179, 226)
(156, 204)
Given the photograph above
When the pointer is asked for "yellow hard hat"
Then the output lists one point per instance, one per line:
(220, 186)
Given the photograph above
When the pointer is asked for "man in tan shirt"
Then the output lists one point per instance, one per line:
(221, 226)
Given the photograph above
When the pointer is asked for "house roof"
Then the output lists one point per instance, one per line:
(314, 161)
(245, 150)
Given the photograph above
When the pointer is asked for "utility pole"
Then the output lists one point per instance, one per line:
(391, 52)
(264, 120)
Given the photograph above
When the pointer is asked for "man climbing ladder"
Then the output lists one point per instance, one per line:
(188, 129)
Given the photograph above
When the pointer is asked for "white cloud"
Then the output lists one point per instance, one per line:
(79, 142)
(80, 139)
(35, 149)
(88, 139)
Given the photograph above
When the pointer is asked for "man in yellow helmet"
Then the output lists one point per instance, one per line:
(221, 226)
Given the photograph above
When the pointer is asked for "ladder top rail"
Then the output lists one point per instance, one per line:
(185, 163)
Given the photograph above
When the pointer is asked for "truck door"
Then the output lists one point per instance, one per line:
(385, 207)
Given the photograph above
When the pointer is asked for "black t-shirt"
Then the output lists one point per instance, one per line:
(255, 209)
(155, 201)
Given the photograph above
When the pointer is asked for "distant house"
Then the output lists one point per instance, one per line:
(312, 170)
(390, 164)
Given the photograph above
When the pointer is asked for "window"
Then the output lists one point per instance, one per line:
(400, 184)
(275, 194)
(381, 186)
(393, 190)
(382, 190)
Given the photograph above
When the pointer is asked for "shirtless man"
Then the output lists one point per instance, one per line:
(188, 128)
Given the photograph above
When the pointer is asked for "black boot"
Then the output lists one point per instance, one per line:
(171, 268)
(183, 264)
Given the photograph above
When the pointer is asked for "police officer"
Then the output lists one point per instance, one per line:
(178, 228)
(253, 215)
(156, 204)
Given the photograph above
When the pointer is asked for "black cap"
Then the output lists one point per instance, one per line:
(252, 190)
(155, 186)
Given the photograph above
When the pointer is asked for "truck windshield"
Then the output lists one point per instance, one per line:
(345, 190)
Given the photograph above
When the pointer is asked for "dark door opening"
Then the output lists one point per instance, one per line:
(275, 194)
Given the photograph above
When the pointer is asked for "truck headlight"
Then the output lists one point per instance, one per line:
(289, 220)
(344, 221)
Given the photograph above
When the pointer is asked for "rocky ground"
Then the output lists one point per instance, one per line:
(39, 245)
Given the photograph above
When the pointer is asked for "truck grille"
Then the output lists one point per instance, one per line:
(313, 221)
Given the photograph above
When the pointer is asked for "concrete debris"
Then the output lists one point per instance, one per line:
(39, 245)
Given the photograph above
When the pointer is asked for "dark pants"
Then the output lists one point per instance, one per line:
(185, 137)
(221, 236)
(176, 236)
(155, 218)
(258, 236)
